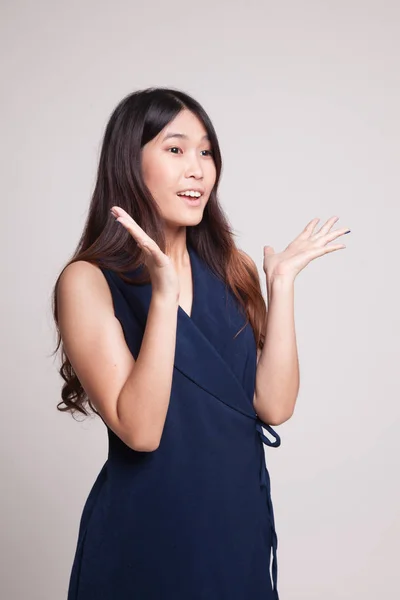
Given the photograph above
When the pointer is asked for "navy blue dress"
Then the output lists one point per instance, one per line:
(192, 520)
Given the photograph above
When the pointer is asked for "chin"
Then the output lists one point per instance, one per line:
(185, 220)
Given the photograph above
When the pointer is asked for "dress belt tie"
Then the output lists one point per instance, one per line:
(265, 482)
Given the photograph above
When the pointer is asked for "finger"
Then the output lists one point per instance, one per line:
(149, 247)
(329, 237)
(156, 255)
(120, 213)
(326, 227)
(143, 240)
(308, 230)
(327, 250)
(130, 224)
(135, 231)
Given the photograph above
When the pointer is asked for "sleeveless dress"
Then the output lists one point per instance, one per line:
(192, 520)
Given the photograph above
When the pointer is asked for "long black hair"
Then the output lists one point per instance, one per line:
(136, 120)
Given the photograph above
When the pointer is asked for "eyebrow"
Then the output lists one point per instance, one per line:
(182, 136)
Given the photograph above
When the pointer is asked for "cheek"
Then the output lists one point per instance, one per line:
(212, 173)
(161, 177)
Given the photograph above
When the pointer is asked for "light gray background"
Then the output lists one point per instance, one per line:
(305, 97)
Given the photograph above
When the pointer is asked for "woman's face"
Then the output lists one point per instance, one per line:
(178, 163)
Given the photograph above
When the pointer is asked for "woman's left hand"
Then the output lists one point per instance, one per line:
(304, 248)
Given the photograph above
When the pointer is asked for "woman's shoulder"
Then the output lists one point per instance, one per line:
(83, 281)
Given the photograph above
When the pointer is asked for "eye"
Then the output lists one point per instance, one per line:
(174, 148)
(210, 152)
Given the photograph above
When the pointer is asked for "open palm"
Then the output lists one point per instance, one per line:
(307, 246)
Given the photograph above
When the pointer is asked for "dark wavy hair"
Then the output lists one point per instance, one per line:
(136, 120)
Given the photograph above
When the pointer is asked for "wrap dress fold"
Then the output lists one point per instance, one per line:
(192, 520)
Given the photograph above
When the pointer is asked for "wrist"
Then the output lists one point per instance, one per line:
(165, 299)
(280, 281)
(278, 285)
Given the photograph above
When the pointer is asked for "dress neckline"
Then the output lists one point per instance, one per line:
(193, 269)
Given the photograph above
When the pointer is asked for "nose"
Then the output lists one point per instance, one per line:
(193, 166)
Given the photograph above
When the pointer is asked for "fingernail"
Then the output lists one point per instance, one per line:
(347, 232)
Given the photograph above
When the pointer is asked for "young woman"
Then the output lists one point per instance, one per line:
(165, 335)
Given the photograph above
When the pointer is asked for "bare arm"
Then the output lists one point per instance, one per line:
(277, 377)
(131, 396)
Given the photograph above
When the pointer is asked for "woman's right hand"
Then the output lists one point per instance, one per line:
(164, 279)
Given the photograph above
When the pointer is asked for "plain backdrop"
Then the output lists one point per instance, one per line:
(305, 99)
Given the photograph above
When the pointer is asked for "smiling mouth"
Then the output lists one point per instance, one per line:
(184, 195)
(191, 200)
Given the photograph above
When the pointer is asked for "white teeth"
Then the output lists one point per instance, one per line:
(190, 193)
